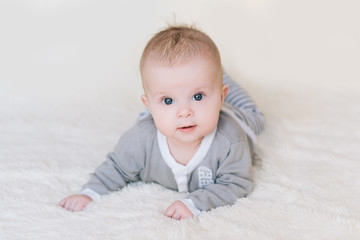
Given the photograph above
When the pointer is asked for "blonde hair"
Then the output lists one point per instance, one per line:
(177, 44)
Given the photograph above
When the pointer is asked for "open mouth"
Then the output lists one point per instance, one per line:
(187, 128)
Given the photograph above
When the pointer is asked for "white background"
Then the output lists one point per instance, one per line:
(79, 49)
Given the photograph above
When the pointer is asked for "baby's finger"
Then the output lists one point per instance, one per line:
(61, 203)
(170, 211)
(68, 205)
(73, 205)
(176, 215)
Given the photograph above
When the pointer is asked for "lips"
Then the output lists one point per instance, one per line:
(187, 128)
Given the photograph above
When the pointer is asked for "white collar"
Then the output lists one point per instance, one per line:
(180, 171)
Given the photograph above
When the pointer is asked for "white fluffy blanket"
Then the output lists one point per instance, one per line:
(69, 88)
(306, 178)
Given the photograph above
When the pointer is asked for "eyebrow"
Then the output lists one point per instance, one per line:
(161, 94)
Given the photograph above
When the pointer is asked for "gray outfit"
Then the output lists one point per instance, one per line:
(137, 157)
(223, 174)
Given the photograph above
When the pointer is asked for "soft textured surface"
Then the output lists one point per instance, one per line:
(69, 87)
(306, 180)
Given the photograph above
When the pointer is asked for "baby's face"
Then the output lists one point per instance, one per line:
(184, 99)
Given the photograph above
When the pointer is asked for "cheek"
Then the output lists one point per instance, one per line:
(212, 120)
(162, 121)
(211, 108)
(209, 115)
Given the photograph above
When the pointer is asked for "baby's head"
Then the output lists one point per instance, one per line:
(178, 45)
(182, 79)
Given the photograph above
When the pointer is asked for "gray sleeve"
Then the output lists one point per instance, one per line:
(238, 98)
(121, 166)
(233, 180)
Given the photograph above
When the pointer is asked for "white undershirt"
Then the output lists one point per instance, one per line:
(181, 172)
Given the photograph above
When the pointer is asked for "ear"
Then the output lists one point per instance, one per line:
(145, 101)
(225, 90)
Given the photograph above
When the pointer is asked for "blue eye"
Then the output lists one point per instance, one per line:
(167, 101)
(198, 97)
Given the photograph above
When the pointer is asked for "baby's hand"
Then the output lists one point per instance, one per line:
(178, 211)
(75, 203)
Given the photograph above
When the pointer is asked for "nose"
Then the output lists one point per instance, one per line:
(185, 111)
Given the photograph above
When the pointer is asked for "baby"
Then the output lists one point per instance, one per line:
(189, 140)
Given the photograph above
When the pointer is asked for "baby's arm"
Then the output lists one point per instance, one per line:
(233, 180)
(178, 210)
(75, 203)
(121, 166)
